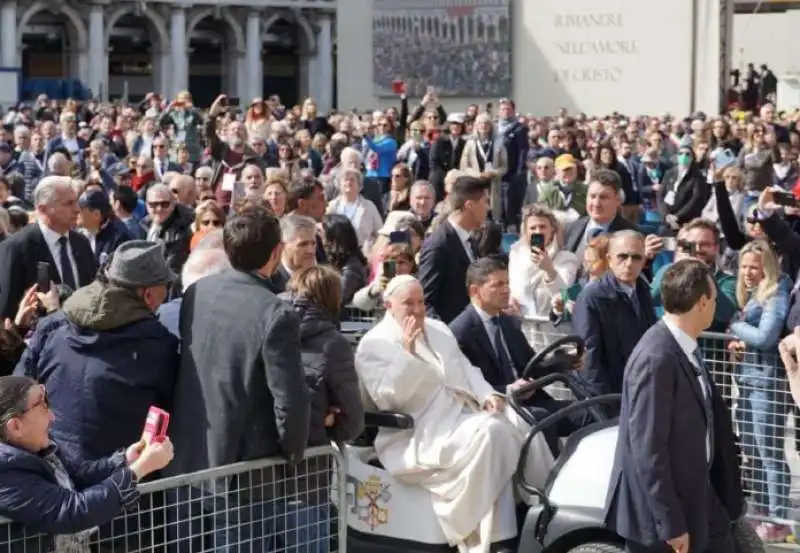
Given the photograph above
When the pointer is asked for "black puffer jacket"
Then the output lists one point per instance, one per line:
(329, 365)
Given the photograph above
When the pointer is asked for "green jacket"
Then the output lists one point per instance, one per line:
(551, 196)
(726, 298)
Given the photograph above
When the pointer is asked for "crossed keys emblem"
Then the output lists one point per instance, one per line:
(370, 495)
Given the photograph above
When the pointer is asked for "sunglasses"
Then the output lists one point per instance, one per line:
(632, 256)
(216, 223)
(163, 205)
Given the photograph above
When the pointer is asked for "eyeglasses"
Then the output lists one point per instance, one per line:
(162, 204)
(42, 402)
(216, 223)
(637, 257)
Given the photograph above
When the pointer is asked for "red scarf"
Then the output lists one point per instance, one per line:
(137, 182)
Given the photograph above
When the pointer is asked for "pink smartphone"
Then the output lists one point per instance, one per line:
(156, 425)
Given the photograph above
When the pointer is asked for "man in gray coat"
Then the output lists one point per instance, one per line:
(241, 391)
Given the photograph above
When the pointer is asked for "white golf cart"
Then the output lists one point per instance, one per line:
(387, 516)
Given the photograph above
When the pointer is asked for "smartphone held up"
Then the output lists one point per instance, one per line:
(155, 426)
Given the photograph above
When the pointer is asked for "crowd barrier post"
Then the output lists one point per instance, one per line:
(765, 418)
(257, 506)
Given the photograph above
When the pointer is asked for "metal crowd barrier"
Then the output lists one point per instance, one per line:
(250, 507)
(764, 418)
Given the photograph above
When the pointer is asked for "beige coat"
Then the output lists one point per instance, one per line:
(464, 456)
(469, 164)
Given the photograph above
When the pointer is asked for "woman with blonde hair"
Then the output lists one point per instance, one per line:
(258, 120)
(763, 295)
(539, 268)
(734, 182)
(187, 122)
(306, 156)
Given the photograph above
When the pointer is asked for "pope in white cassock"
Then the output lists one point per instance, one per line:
(465, 444)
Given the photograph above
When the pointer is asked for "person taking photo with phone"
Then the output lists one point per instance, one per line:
(540, 268)
(49, 490)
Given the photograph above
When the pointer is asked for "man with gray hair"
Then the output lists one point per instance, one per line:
(51, 240)
(104, 357)
(59, 165)
(169, 223)
(613, 313)
(299, 235)
(201, 263)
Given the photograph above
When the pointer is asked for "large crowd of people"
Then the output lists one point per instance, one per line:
(160, 253)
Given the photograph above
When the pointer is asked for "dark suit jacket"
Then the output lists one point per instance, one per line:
(443, 264)
(19, 256)
(661, 481)
(443, 157)
(690, 196)
(605, 318)
(258, 405)
(474, 342)
(279, 280)
(575, 231)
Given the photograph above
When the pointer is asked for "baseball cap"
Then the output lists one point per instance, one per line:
(566, 160)
(96, 200)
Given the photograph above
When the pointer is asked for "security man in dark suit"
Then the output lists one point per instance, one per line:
(667, 492)
(447, 253)
(613, 313)
(494, 342)
(51, 240)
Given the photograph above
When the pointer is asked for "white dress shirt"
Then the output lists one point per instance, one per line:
(464, 236)
(490, 327)
(51, 237)
(689, 346)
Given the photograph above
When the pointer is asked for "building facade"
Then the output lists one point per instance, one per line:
(244, 48)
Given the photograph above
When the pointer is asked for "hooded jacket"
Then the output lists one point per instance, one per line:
(105, 359)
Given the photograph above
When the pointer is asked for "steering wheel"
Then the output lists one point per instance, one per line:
(561, 361)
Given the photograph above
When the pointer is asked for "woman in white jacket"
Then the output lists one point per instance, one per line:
(352, 204)
(539, 269)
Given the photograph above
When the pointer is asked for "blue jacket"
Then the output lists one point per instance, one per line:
(760, 328)
(605, 318)
(31, 496)
(105, 359)
(111, 234)
(386, 149)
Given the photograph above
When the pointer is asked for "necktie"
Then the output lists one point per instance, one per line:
(472, 248)
(634, 297)
(502, 356)
(595, 233)
(708, 403)
(67, 276)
